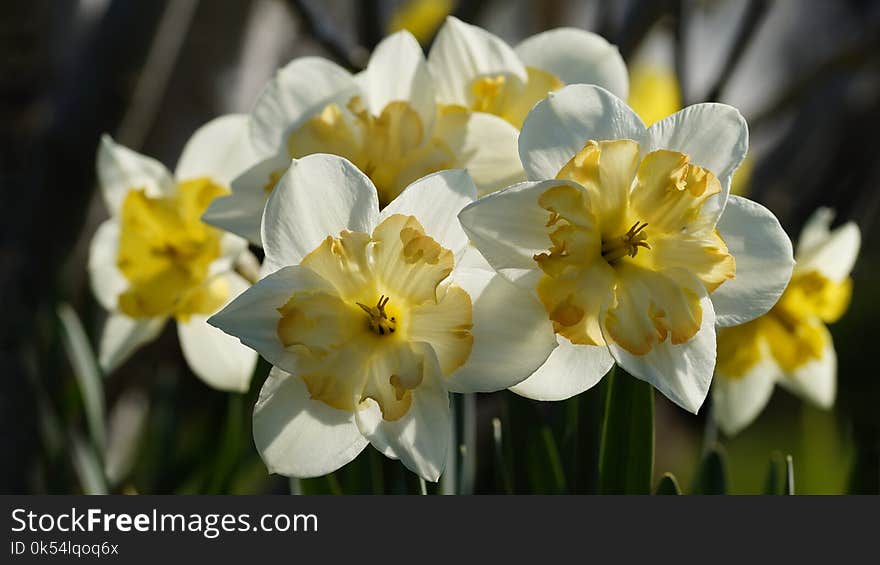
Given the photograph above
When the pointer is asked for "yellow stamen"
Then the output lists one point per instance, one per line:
(380, 323)
(626, 245)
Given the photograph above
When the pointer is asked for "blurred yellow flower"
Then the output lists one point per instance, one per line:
(654, 92)
(385, 120)
(422, 18)
(790, 344)
(155, 260)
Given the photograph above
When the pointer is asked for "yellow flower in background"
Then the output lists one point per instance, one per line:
(155, 260)
(631, 241)
(422, 18)
(385, 120)
(654, 92)
(478, 71)
(791, 344)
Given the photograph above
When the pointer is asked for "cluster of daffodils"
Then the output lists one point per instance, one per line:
(479, 219)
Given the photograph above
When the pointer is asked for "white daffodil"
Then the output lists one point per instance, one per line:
(154, 259)
(629, 238)
(384, 120)
(369, 321)
(478, 71)
(790, 345)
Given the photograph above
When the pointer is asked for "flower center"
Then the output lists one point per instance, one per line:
(393, 148)
(626, 245)
(343, 360)
(165, 253)
(380, 322)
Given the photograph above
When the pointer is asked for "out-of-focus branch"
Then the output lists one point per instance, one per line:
(351, 57)
(369, 19)
(638, 20)
(469, 10)
(153, 81)
(852, 56)
(750, 23)
(680, 50)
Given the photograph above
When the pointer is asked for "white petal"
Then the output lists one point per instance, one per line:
(220, 360)
(817, 380)
(832, 253)
(736, 402)
(319, 195)
(816, 230)
(300, 437)
(122, 336)
(462, 53)
(715, 136)
(683, 372)
(512, 334)
(509, 228)
(764, 262)
(560, 125)
(420, 438)
(485, 145)
(435, 201)
(571, 369)
(107, 280)
(297, 92)
(397, 71)
(577, 57)
(242, 211)
(220, 149)
(120, 170)
(231, 248)
(253, 316)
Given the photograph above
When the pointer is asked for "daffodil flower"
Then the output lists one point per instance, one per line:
(629, 238)
(155, 260)
(790, 345)
(476, 70)
(369, 321)
(384, 120)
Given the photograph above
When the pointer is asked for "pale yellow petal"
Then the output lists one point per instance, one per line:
(407, 263)
(445, 326)
(652, 307)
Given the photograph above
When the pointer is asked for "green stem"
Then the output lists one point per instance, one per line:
(626, 455)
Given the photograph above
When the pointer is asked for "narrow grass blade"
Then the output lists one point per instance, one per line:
(775, 482)
(501, 472)
(789, 475)
(712, 475)
(88, 375)
(668, 485)
(88, 467)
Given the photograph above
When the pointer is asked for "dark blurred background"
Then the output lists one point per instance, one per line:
(805, 74)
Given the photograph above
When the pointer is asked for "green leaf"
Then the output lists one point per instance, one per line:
(88, 375)
(775, 483)
(626, 456)
(587, 419)
(712, 475)
(667, 485)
